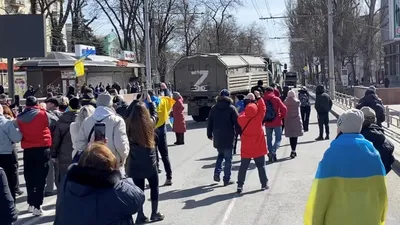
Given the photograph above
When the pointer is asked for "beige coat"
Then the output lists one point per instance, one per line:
(293, 124)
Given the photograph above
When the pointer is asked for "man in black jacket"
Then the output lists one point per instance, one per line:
(323, 105)
(221, 128)
(259, 87)
(372, 100)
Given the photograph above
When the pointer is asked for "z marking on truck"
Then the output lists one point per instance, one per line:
(198, 85)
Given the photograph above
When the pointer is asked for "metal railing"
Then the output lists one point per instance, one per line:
(347, 102)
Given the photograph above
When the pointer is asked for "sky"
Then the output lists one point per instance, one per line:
(249, 12)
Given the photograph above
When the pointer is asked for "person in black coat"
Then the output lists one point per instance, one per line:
(95, 193)
(221, 129)
(120, 105)
(375, 134)
(142, 158)
(259, 87)
(323, 105)
(8, 212)
(372, 100)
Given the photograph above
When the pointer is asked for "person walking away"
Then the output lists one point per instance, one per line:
(221, 128)
(9, 135)
(34, 124)
(179, 124)
(88, 98)
(352, 174)
(283, 97)
(375, 134)
(116, 137)
(61, 149)
(84, 113)
(95, 191)
(305, 107)
(323, 105)
(253, 141)
(163, 110)
(276, 111)
(294, 126)
(259, 87)
(142, 159)
(8, 210)
(372, 100)
(239, 103)
(387, 82)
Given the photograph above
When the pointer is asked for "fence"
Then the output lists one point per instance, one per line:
(347, 102)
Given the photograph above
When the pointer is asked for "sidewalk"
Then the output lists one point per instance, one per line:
(392, 133)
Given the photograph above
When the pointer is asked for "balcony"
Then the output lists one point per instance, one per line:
(17, 3)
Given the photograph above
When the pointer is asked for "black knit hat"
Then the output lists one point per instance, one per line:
(53, 100)
(74, 103)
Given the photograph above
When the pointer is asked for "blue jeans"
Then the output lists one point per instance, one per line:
(224, 153)
(278, 138)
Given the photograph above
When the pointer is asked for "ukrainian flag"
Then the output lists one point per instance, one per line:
(349, 187)
(79, 67)
(163, 110)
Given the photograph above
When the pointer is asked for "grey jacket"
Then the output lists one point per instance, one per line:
(9, 135)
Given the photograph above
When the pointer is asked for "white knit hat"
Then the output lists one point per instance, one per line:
(351, 121)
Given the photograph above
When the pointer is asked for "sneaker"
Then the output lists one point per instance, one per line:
(142, 220)
(327, 137)
(320, 138)
(217, 178)
(270, 157)
(293, 154)
(228, 182)
(19, 192)
(274, 158)
(157, 217)
(264, 187)
(239, 190)
(31, 208)
(168, 182)
(37, 212)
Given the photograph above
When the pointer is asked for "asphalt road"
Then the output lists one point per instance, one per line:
(195, 199)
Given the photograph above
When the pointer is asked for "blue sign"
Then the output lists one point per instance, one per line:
(88, 51)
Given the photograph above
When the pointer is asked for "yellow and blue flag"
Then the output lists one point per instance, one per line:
(79, 66)
(163, 109)
(349, 187)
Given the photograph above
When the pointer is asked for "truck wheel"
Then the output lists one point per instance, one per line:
(203, 114)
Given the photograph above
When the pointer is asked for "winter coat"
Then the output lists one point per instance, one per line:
(93, 197)
(121, 108)
(375, 134)
(293, 123)
(304, 98)
(34, 125)
(252, 137)
(8, 211)
(222, 123)
(141, 162)
(260, 89)
(117, 140)
(277, 93)
(279, 107)
(179, 125)
(9, 135)
(61, 148)
(371, 100)
(323, 103)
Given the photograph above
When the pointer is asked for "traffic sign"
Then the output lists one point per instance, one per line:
(316, 61)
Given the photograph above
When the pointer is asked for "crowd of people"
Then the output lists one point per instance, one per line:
(61, 151)
(63, 156)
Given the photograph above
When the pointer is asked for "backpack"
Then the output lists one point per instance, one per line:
(304, 99)
(270, 114)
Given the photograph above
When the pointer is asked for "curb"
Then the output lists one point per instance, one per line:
(396, 143)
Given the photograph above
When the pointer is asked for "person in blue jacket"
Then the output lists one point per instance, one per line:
(8, 212)
(239, 103)
(95, 193)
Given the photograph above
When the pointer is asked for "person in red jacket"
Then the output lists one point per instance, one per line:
(276, 111)
(34, 125)
(253, 141)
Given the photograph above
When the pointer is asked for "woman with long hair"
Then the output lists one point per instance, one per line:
(95, 192)
(85, 112)
(294, 125)
(142, 159)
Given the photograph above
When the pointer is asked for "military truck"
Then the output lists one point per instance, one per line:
(291, 79)
(200, 78)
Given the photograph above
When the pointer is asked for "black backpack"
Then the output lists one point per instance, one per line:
(270, 114)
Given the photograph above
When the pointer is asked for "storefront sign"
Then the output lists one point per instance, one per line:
(20, 83)
(67, 74)
(128, 56)
(81, 50)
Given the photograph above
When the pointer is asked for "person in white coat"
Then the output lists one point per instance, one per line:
(116, 138)
(84, 113)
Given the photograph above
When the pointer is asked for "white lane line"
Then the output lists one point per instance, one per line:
(228, 211)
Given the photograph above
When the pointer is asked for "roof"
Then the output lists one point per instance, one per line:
(230, 61)
(253, 60)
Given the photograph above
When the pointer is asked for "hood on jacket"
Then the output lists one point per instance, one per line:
(320, 90)
(28, 114)
(223, 102)
(251, 110)
(268, 95)
(83, 181)
(68, 117)
(373, 132)
(369, 92)
(102, 112)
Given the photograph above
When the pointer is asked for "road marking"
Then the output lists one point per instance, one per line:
(229, 210)
(34, 219)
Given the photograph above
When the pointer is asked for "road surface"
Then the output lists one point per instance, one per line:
(195, 199)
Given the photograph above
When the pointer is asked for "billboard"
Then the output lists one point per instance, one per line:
(394, 19)
(22, 36)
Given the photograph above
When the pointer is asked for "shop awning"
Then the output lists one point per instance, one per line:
(3, 66)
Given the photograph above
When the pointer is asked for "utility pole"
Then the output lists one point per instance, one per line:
(147, 44)
(331, 53)
(154, 71)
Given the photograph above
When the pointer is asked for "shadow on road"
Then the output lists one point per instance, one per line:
(192, 204)
(279, 160)
(300, 143)
(192, 125)
(21, 199)
(185, 193)
(330, 122)
(212, 166)
(208, 159)
(43, 220)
